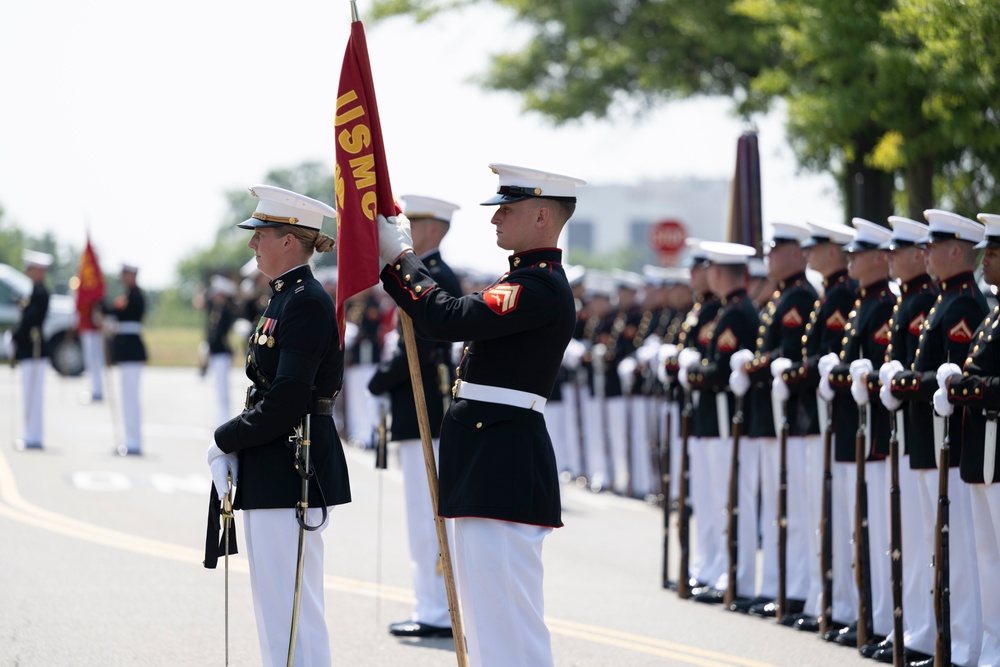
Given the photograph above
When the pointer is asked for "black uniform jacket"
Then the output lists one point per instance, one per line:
(220, 320)
(866, 336)
(978, 391)
(947, 334)
(824, 333)
(34, 308)
(496, 461)
(128, 346)
(294, 358)
(908, 317)
(735, 329)
(393, 376)
(782, 328)
(695, 332)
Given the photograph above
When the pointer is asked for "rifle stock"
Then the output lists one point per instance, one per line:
(896, 546)
(684, 504)
(942, 561)
(733, 507)
(862, 555)
(825, 527)
(782, 598)
(663, 462)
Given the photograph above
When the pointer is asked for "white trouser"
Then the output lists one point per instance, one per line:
(746, 518)
(770, 464)
(845, 591)
(131, 374)
(498, 565)
(555, 424)
(571, 430)
(986, 519)
(32, 399)
(918, 610)
(618, 441)
(920, 616)
(877, 477)
(361, 411)
(598, 465)
(219, 365)
(272, 538)
(966, 617)
(642, 473)
(92, 343)
(709, 562)
(799, 556)
(428, 583)
(814, 517)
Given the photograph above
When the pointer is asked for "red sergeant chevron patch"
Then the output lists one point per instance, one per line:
(503, 298)
(726, 342)
(917, 324)
(882, 336)
(792, 319)
(836, 321)
(960, 333)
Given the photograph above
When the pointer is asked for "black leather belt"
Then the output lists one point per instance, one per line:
(319, 406)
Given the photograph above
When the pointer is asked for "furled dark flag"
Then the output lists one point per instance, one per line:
(362, 176)
(745, 224)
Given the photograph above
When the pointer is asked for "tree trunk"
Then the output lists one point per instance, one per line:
(919, 187)
(868, 192)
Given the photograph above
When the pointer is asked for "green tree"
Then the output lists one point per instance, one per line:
(878, 92)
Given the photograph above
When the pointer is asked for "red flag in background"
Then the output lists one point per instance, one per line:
(91, 288)
(362, 176)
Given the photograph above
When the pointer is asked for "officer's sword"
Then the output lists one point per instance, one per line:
(301, 438)
(227, 516)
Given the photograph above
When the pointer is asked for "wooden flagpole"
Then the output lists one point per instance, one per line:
(413, 361)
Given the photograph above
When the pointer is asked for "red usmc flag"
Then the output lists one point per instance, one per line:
(91, 288)
(362, 176)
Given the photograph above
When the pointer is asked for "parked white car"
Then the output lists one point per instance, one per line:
(60, 324)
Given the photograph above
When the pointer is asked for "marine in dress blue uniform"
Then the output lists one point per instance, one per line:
(809, 415)
(975, 393)
(734, 328)
(782, 327)
(430, 219)
(498, 476)
(947, 338)
(296, 367)
(918, 293)
(865, 342)
(128, 352)
(31, 350)
(221, 315)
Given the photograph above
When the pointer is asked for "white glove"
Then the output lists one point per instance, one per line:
(573, 353)
(779, 390)
(827, 362)
(666, 351)
(389, 345)
(686, 358)
(393, 237)
(890, 402)
(739, 382)
(223, 466)
(888, 371)
(885, 374)
(739, 360)
(626, 373)
(860, 368)
(941, 404)
(647, 352)
(945, 371)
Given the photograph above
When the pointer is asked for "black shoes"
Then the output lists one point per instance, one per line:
(770, 609)
(710, 596)
(869, 650)
(885, 655)
(21, 445)
(418, 629)
(805, 623)
(833, 631)
(743, 605)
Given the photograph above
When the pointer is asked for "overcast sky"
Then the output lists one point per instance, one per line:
(132, 120)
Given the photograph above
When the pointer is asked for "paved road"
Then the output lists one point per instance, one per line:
(100, 559)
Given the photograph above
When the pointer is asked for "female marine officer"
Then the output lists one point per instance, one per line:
(297, 368)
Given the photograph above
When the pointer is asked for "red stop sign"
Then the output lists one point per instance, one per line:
(667, 236)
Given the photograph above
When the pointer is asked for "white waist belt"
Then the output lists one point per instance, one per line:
(130, 328)
(501, 395)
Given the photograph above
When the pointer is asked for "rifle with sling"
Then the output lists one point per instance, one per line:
(683, 504)
(862, 555)
(896, 545)
(733, 506)
(782, 598)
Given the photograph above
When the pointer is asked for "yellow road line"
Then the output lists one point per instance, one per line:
(15, 507)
